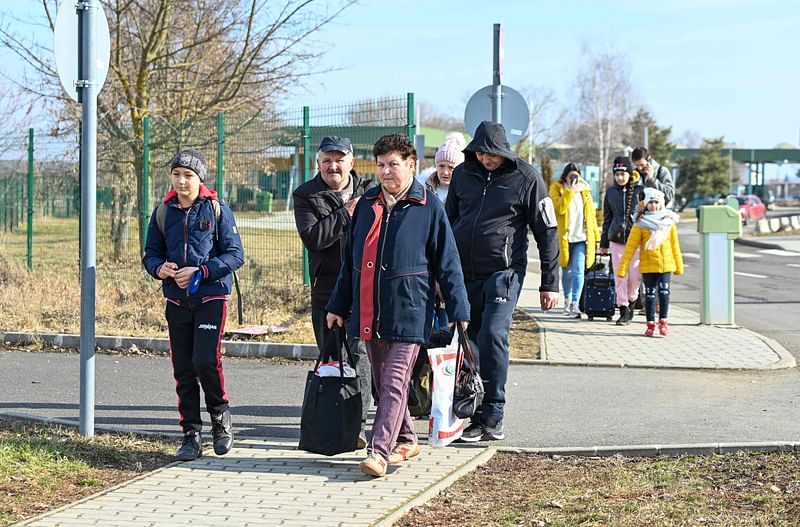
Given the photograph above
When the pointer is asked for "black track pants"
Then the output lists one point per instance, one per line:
(194, 338)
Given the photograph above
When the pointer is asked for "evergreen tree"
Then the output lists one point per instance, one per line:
(659, 145)
(708, 172)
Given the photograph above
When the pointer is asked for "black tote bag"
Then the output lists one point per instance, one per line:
(468, 390)
(331, 417)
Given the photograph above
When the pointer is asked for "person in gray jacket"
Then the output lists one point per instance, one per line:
(494, 198)
(653, 175)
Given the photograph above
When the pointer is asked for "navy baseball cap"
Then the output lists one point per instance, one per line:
(333, 142)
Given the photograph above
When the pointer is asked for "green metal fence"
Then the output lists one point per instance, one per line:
(255, 161)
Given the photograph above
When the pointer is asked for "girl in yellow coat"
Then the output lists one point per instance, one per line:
(577, 232)
(656, 235)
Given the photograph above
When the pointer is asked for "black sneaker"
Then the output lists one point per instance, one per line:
(623, 319)
(493, 432)
(191, 446)
(222, 429)
(472, 433)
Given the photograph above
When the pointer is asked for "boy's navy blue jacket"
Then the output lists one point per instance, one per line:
(391, 265)
(192, 237)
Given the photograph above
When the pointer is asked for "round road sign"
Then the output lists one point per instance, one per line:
(514, 112)
(67, 46)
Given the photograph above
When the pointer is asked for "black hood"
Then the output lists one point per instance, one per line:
(490, 138)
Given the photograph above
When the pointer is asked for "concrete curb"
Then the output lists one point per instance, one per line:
(688, 449)
(233, 348)
(755, 243)
(433, 490)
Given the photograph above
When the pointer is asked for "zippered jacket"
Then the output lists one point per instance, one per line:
(193, 238)
(618, 210)
(490, 212)
(324, 226)
(391, 265)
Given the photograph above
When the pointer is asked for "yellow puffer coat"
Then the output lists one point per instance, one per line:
(562, 197)
(667, 258)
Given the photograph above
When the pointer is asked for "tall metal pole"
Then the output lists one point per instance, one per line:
(497, 76)
(30, 199)
(411, 125)
(306, 176)
(221, 155)
(87, 87)
(145, 179)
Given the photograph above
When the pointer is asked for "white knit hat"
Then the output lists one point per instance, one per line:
(653, 194)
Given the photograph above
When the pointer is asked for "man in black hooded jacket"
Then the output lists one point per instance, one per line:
(494, 197)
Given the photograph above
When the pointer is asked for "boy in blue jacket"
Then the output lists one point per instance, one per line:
(193, 246)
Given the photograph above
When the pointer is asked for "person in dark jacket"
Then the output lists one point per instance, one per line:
(619, 206)
(494, 197)
(194, 250)
(400, 246)
(323, 208)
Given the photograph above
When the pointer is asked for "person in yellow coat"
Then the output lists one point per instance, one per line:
(655, 234)
(577, 233)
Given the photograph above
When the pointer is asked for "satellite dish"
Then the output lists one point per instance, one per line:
(514, 112)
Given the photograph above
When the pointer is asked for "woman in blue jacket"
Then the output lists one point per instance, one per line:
(193, 246)
(400, 246)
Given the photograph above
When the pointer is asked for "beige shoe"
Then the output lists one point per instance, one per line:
(373, 465)
(403, 452)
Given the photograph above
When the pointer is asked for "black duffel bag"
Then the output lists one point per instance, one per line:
(331, 418)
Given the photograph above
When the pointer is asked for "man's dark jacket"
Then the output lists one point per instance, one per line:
(324, 226)
(490, 212)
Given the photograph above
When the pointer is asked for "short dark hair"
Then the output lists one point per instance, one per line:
(395, 143)
(639, 153)
(570, 167)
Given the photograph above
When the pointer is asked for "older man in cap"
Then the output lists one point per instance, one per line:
(323, 208)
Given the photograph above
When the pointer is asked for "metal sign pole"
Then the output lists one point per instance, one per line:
(87, 86)
(497, 77)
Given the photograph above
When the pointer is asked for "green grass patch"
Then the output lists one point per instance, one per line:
(44, 467)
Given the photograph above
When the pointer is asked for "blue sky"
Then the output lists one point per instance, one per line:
(713, 67)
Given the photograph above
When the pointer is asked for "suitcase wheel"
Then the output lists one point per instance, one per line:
(591, 317)
(609, 318)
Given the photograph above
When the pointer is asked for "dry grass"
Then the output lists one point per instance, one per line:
(44, 467)
(743, 489)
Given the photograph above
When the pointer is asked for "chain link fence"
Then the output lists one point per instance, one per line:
(254, 161)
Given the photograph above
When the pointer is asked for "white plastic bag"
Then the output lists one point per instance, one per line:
(443, 427)
(331, 369)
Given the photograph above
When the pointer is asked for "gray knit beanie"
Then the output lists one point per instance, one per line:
(191, 159)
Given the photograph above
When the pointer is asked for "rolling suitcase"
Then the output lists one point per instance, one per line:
(599, 298)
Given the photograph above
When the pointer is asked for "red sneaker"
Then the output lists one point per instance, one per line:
(663, 327)
(651, 328)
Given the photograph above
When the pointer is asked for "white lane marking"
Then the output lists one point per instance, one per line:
(691, 255)
(779, 252)
(750, 275)
(745, 255)
(792, 265)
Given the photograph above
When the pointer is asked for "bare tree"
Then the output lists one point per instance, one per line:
(546, 122)
(430, 116)
(604, 94)
(179, 61)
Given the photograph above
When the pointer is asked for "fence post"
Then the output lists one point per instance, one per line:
(412, 127)
(145, 179)
(221, 156)
(30, 199)
(306, 174)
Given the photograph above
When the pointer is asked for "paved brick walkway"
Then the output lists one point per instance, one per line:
(688, 345)
(267, 482)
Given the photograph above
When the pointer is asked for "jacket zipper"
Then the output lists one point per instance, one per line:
(378, 269)
(186, 240)
(475, 224)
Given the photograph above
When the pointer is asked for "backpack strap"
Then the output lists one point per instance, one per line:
(161, 218)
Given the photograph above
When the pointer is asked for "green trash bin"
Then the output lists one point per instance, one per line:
(265, 202)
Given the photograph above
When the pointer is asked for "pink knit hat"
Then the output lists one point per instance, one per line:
(450, 152)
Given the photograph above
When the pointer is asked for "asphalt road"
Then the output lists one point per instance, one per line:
(766, 288)
(548, 406)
